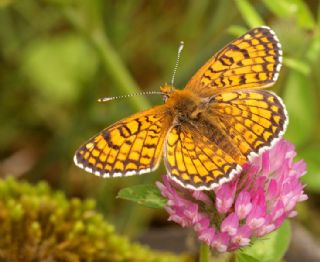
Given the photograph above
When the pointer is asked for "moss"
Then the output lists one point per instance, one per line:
(37, 224)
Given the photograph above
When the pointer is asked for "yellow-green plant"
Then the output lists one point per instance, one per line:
(38, 224)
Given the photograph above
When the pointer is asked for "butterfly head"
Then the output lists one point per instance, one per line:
(166, 91)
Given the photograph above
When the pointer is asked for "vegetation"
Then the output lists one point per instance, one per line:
(38, 224)
(58, 56)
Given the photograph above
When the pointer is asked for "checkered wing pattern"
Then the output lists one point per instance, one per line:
(251, 61)
(254, 119)
(196, 162)
(131, 146)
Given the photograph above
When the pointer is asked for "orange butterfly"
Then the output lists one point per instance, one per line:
(206, 131)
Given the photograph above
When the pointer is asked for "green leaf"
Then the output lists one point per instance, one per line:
(304, 15)
(297, 65)
(300, 101)
(236, 30)
(313, 50)
(283, 8)
(241, 257)
(292, 9)
(249, 14)
(269, 249)
(312, 157)
(147, 195)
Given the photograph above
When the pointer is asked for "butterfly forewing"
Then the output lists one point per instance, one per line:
(251, 61)
(131, 146)
(196, 162)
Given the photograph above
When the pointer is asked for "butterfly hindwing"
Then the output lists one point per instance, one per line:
(131, 146)
(251, 61)
(195, 162)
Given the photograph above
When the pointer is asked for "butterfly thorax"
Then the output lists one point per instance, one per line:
(184, 105)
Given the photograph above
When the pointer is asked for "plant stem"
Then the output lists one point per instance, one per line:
(204, 252)
(117, 70)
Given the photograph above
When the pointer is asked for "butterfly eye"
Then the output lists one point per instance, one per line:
(164, 98)
(166, 91)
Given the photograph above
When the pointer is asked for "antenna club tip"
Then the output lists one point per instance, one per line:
(104, 99)
(180, 48)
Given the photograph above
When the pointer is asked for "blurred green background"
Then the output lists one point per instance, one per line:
(58, 56)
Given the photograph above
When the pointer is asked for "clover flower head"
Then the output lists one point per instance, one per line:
(248, 207)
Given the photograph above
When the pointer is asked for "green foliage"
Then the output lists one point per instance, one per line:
(270, 249)
(58, 56)
(249, 13)
(146, 195)
(242, 257)
(64, 71)
(312, 155)
(301, 110)
(37, 224)
(297, 9)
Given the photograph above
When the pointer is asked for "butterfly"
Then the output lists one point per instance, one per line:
(221, 119)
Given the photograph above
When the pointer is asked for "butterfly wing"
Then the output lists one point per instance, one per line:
(251, 61)
(254, 120)
(195, 162)
(131, 146)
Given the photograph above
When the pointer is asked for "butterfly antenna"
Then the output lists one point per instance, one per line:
(106, 99)
(177, 62)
